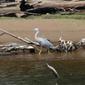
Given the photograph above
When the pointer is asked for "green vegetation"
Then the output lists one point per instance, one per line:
(72, 16)
(58, 16)
(51, 16)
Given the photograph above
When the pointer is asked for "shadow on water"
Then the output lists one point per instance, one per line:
(32, 70)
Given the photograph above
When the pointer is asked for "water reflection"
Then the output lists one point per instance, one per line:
(32, 70)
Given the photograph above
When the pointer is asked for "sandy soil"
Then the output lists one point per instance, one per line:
(51, 28)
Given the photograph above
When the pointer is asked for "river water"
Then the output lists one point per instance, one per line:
(31, 69)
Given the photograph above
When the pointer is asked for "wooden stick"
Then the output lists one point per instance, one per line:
(36, 43)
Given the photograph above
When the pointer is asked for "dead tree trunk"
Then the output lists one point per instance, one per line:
(61, 5)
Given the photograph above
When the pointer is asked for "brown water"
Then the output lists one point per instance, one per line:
(31, 69)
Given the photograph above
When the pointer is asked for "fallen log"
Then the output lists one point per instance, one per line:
(14, 48)
(24, 14)
(64, 5)
(9, 14)
(11, 4)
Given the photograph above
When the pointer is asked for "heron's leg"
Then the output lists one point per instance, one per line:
(40, 50)
(48, 51)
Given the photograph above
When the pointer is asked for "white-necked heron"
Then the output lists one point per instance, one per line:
(42, 41)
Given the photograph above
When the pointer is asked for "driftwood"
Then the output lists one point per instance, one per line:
(14, 48)
(17, 14)
(11, 4)
(8, 14)
(64, 5)
(60, 4)
(24, 14)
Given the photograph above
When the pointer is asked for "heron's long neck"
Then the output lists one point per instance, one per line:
(37, 35)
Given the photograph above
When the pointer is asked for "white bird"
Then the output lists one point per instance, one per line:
(61, 40)
(81, 43)
(42, 41)
(53, 69)
(63, 44)
(82, 40)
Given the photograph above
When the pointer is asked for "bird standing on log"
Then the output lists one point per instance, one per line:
(43, 42)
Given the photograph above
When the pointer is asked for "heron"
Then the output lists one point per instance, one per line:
(43, 42)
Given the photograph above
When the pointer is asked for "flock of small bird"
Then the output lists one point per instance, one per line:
(63, 45)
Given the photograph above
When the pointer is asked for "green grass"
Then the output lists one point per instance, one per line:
(51, 16)
(58, 16)
(73, 16)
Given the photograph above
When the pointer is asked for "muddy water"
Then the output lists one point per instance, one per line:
(31, 69)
